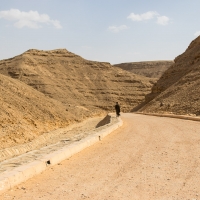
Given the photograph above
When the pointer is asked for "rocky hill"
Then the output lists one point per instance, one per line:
(178, 89)
(26, 113)
(151, 69)
(70, 79)
(45, 90)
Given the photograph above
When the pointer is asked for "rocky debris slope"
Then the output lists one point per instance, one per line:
(72, 80)
(26, 113)
(151, 69)
(178, 89)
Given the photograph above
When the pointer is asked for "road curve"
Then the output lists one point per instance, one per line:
(148, 158)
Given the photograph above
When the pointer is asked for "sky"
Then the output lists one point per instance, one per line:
(115, 31)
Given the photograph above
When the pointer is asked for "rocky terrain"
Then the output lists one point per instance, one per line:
(151, 69)
(45, 90)
(71, 79)
(26, 113)
(178, 89)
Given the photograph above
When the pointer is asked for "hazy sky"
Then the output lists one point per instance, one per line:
(113, 31)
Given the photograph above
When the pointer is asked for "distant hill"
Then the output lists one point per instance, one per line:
(178, 89)
(151, 69)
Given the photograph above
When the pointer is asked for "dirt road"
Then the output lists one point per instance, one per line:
(148, 158)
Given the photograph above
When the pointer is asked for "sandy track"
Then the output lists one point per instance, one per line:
(147, 158)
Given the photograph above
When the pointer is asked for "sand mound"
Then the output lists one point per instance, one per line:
(177, 90)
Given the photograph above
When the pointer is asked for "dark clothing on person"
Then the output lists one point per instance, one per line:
(117, 108)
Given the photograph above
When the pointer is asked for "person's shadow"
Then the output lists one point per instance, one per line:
(104, 121)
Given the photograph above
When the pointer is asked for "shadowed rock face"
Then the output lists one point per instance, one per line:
(178, 88)
(70, 79)
(151, 69)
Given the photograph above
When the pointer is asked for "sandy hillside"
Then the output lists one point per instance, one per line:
(73, 80)
(178, 89)
(151, 69)
(26, 113)
(45, 90)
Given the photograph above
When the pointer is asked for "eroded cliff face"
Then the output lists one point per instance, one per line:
(178, 89)
(151, 69)
(70, 79)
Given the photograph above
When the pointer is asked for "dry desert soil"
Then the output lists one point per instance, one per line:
(147, 158)
(43, 92)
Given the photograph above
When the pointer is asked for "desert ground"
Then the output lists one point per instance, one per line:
(44, 93)
(147, 158)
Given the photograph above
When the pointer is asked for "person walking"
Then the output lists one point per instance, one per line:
(117, 109)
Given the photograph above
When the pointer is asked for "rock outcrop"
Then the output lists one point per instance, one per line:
(151, 69)
(178, 89)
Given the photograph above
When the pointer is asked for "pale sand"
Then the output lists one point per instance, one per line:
(148, 158)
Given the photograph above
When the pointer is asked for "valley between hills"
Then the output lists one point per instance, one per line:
(42, 91)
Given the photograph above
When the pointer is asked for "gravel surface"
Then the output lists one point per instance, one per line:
(147, 158)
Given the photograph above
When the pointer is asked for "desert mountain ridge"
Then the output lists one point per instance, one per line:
(178, 89)
(67, 77)
(151, 69)
(45, 90)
